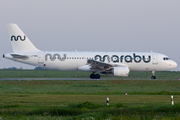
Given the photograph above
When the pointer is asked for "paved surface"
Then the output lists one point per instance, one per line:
(14, 79)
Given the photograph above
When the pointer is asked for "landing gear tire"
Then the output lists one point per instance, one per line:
(92, 76)
(153, 77)
(95, 76)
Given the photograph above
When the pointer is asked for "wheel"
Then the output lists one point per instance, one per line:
(153, 74)
(92, 76)
(97, 76)
(153, 77)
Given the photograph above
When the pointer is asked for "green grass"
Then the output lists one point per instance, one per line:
(75, 74)
(86, 99)
(86, 106)
(133, 87)
(39, 100)
(146, 99)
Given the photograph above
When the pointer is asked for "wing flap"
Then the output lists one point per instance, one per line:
(102, 65)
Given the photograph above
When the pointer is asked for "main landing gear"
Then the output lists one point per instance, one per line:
(95, 76)
(153, 75)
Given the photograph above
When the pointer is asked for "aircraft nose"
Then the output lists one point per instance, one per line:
(174, 64)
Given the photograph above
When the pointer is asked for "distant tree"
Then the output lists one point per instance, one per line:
(11, 68)
(39, 68)
(14, 68)
(20, 68)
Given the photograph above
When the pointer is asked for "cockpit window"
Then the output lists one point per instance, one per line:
(166, 58)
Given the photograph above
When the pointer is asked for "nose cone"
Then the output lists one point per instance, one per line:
(173, 64)
(170, 64)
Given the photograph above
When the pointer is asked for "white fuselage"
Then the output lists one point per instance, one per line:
(109, 63)
(136, 61)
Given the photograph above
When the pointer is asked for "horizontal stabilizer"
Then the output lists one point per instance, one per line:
(20, 56)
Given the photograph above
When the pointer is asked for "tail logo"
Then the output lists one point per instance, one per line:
(17, 38)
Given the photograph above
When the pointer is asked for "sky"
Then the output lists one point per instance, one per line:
(93, 25)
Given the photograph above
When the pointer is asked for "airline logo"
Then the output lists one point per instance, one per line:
(53, 57)
(16, 38)
(113, 58)
(126, 58)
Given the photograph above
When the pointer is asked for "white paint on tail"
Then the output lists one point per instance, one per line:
(19, 41)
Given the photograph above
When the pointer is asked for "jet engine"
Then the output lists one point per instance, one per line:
(120, 71)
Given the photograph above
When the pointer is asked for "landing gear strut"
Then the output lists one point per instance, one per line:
(95, 76)
(153, 75)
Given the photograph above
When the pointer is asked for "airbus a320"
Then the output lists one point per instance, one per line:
(109, 63)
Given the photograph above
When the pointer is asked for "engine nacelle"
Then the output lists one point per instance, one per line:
(121, 71)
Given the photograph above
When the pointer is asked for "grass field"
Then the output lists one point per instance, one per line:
(146, 99)
(74, 74)
(119, 87)
(86, 106)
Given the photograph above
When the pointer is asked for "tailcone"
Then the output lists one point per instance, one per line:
(8, 56)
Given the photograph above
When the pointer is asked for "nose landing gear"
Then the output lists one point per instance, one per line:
(153, 75)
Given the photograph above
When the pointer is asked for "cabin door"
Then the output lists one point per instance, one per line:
(154, 59)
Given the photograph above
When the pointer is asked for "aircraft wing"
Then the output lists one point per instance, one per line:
(101, 65)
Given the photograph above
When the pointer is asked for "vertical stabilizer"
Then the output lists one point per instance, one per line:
(19, 41)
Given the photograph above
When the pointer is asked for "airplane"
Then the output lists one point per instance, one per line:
(109, 63)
